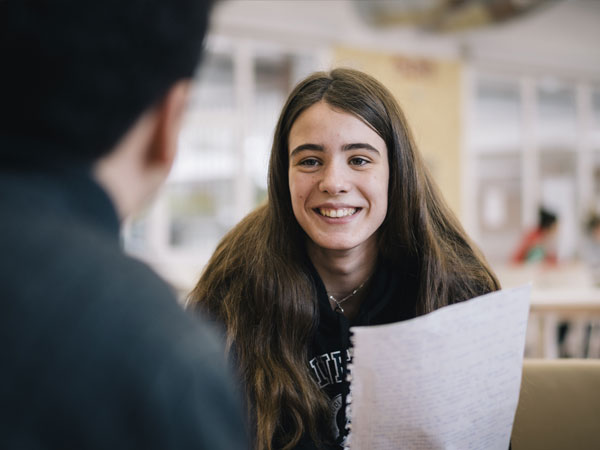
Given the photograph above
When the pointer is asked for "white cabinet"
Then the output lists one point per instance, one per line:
(531, 140)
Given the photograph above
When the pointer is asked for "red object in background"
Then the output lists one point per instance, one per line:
(534, 248)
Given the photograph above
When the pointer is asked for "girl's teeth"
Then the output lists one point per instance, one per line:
(337, 212)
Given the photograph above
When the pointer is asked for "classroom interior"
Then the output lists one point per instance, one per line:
(503, 98)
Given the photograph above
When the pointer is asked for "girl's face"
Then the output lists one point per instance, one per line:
(338, 178)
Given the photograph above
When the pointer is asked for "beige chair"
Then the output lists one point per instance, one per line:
(559, 405)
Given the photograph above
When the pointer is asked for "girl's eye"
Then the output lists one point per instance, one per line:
(358, 161)
(310, 162)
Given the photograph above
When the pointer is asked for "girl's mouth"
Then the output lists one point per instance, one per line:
(336, 213)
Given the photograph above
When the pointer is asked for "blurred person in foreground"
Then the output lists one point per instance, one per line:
(96, 352)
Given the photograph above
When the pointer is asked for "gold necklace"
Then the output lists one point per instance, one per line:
(338, 303)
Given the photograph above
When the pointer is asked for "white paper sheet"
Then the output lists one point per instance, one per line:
(446, 380)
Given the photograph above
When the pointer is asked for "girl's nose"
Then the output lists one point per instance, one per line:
(334, 180)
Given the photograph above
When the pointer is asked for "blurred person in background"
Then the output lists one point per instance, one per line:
(95, 352)
(354, 232)
(539, 245)
(591, 247)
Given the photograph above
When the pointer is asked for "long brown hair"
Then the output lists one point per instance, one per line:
(256, 283)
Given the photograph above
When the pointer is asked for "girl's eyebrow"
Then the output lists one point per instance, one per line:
(360, 145)
(302, 147)
(345, 148)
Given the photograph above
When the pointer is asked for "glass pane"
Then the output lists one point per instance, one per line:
(596, 181)
(200, 214)
(206, 151)
(272, 75)
(207, 140)
(557, 113)
(558, 194)
(275, 75)
(214, 84)
(497, 116)
(499, 205)
(595, 125)
(200, 195)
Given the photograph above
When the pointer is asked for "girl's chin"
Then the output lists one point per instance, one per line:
(341, 243)
(335, 245)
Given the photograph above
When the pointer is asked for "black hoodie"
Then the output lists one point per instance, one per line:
(391, 297)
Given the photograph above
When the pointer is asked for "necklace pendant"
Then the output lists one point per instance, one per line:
(338, 305)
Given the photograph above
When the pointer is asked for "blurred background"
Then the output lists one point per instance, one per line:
(503, 97)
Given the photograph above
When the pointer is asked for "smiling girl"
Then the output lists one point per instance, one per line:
(354, 232)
